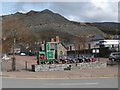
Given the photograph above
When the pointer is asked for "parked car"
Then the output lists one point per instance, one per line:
(71, 58)
(31, 53)
(86, 58)
(5, 57)
(17, 52)
(78, 58)
(90, 58)
(67, 59)
(23, 54)
(114, 56)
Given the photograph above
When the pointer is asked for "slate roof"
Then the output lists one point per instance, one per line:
(98, 37)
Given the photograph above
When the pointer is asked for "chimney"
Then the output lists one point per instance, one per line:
(52, 39)
(57, 39)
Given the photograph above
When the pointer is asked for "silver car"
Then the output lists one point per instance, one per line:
(5, 57)
(115, 56)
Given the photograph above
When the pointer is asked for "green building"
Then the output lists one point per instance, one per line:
(51, 52)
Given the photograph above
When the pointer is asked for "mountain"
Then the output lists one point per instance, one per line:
(111, 28)
(108, 27)
(47, 24)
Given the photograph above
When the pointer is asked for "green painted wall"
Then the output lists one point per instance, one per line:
(50, 54)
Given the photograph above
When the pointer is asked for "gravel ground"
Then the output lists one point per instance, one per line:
(109, 71)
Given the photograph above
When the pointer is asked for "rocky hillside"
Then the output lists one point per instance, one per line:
(108, 27)
(35, 26)
(47, 21)
(111, 28)
(46, 24)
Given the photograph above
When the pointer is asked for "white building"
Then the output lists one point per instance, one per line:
(112, 44)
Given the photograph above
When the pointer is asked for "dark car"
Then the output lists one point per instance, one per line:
(115, 56)
(86, 58)
(83, 58)
(67, 59)
(31, 53)
(80, 58)
(71, 58)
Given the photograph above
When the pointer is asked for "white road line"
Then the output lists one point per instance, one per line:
(68, 84)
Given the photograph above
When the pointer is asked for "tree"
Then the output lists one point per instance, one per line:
(82, 43)
(15, 25)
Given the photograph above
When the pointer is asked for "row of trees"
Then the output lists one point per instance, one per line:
(82, 42)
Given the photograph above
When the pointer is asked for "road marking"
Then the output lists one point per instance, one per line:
(68, 84)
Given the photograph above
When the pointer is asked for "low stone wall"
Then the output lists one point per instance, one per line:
(61, 67)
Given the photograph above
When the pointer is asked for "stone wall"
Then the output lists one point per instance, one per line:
(61, 67)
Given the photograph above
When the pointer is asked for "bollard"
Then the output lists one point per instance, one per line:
(13, 63)
(26, 65)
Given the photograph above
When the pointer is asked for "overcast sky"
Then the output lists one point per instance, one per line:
(91, 11)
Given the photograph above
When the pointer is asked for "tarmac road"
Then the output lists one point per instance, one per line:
(60, 83)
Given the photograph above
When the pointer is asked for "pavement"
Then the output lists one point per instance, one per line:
(72, 74)
(109, 71)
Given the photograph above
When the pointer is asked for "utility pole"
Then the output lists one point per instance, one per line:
(13, 58)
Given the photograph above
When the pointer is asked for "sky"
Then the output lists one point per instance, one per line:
(87, 11)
